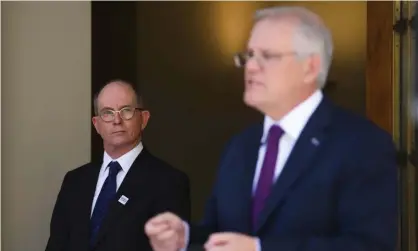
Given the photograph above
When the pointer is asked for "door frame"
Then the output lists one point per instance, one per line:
(380, 74)
(384, 104)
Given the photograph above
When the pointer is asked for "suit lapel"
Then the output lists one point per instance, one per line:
(128, 188)
(244, 192)
(88, 188)
(302, 155)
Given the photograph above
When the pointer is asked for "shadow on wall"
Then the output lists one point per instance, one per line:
(186, 72)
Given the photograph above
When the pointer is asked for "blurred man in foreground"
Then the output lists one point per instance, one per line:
(312, 177)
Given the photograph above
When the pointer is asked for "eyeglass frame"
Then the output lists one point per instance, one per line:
(261, 57)
(114, 112)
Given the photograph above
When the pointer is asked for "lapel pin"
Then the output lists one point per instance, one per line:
(315, 141)
(123, 199)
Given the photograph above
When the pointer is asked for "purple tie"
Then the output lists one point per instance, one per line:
(265, 182)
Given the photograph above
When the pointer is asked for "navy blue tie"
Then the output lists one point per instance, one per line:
(106, 195)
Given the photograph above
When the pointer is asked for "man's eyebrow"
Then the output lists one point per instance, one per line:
(110, 108)
(106, 108)
(271, 50)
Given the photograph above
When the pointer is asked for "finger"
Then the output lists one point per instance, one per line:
(162, 245)
(155, 229)
(211, 246)
(168, 235)
(219, 239)
(217, 248)
(164, 218)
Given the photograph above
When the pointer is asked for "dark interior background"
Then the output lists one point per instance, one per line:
(179, 54)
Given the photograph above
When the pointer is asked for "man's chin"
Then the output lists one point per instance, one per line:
(119, 141)
(251, 100)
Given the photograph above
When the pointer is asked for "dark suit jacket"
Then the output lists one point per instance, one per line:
(152, 187)
(337, 191)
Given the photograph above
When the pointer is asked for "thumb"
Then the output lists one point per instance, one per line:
(218, 239)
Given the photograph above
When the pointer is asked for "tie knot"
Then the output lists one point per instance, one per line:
(275, 133)
(114, 168)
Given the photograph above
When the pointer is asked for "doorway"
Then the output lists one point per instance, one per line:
(391, 98)
(184, 68)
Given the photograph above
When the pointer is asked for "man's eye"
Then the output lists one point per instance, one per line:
(250, 54)
(128, 109)
(267, 55)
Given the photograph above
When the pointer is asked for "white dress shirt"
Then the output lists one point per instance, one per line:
(292, 124)
(125, 161)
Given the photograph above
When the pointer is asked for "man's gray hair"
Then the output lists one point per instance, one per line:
(312, 36)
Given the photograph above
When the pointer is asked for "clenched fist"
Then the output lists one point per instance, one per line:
(166, 232)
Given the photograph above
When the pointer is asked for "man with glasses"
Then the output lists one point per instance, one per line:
(102, 206)
(313, 176)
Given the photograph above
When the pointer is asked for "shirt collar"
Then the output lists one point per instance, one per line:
(126, 160)
(294, 121)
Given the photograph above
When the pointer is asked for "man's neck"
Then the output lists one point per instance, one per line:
(278, 112)
(116, 152)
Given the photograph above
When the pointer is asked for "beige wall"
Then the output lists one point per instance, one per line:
(45, 112)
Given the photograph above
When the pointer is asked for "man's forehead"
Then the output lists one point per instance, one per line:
(116, 94)
(271, 34)
(117, 86)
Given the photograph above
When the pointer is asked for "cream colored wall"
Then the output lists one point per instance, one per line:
(46, 101)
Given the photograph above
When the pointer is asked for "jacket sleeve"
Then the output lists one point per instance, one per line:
(199, 233)
(176, 196)
(59, 227)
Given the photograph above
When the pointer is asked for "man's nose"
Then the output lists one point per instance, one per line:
(118, 118)
(252, 64)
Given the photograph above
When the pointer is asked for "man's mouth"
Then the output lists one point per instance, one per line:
(252, 83)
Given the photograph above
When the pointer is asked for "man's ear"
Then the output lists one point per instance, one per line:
(145, 116)
(95, 122)
(312, 67)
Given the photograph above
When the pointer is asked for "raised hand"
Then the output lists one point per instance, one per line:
(166, 232)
